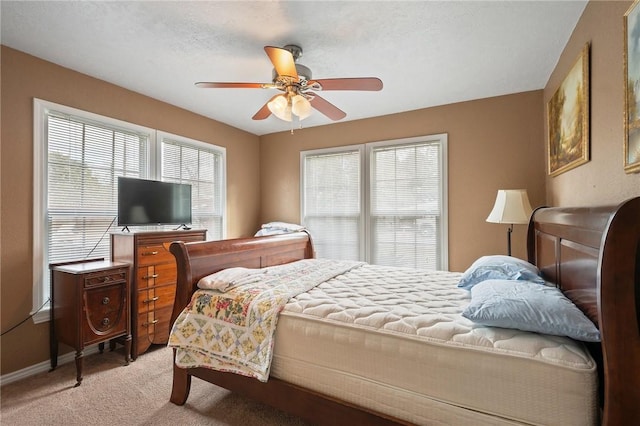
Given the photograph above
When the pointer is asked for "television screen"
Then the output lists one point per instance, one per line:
(151, 202)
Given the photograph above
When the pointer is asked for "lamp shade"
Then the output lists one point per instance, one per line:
(280, 107)
(511, 206)
(283, 106)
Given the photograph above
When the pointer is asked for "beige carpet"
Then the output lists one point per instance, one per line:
(137, 394)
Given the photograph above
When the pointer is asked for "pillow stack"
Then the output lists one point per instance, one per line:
(510, 293)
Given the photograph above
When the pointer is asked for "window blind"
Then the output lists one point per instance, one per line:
(203, 168)
(84, 160)
(405, 205)
(331, 203)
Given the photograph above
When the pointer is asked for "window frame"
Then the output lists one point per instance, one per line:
(365, 187)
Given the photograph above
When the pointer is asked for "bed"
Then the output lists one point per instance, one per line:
(334, 371)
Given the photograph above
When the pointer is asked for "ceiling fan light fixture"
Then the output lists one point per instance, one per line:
(300, 106)
(280, 107)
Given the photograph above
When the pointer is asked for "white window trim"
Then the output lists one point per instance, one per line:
(365, 166)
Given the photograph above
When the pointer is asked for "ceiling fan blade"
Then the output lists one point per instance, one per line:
(264, 112)
(214, 85)
(327, 108)
(282, 61)
(364, 83)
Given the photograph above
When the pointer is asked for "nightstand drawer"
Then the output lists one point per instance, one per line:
(105, 277)
(105, 311)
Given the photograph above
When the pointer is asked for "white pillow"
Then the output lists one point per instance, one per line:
(227, 278)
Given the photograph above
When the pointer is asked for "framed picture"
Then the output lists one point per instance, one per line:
(568, 118)
(632, 89)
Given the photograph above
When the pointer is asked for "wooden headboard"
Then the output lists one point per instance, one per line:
(593, 255)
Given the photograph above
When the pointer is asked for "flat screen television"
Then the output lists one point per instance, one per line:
(151, 202)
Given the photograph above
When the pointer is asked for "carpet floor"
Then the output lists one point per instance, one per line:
(137, 394)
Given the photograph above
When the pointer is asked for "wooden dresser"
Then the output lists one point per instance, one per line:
(153, 283)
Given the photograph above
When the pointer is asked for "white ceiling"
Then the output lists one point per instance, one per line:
(427, 53)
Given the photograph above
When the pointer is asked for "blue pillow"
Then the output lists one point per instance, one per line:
(499, 267)
(521, 305)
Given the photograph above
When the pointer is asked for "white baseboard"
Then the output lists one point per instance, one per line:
(43, 366)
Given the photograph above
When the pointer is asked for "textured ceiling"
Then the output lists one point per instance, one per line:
(427, 53)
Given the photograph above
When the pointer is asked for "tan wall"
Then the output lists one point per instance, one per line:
(602, 180)
(25, 77)
(494, 143)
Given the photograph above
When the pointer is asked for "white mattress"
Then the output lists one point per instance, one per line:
(393, 340)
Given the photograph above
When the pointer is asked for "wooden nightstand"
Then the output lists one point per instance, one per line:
(89, 304)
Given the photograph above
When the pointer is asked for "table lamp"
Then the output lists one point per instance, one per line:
(512, 206)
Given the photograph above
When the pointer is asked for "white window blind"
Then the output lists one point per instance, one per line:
(405, 205)
(384, 202)
(332, 209)
(84, 160)
(201, 166)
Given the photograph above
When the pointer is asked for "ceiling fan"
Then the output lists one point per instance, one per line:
(300, 90)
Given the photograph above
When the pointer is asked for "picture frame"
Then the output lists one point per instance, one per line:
(632, 88)
(568, 118)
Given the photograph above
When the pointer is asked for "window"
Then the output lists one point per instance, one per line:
(382, 202)
(78, 157)
(332, 206)
(202, 166)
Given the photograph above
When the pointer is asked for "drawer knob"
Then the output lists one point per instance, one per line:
(150, 277)
(149, 253)
(105, 301)
(107, 279)
(147, 324)
(105, 321)
(153, 299)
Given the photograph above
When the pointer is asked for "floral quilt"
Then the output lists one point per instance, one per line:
(234, 330)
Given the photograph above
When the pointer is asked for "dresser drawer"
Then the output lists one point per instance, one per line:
(153, 255)
(105, 312)
(153, 326)
(155, 275)
(156, 298)
(105, 277)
